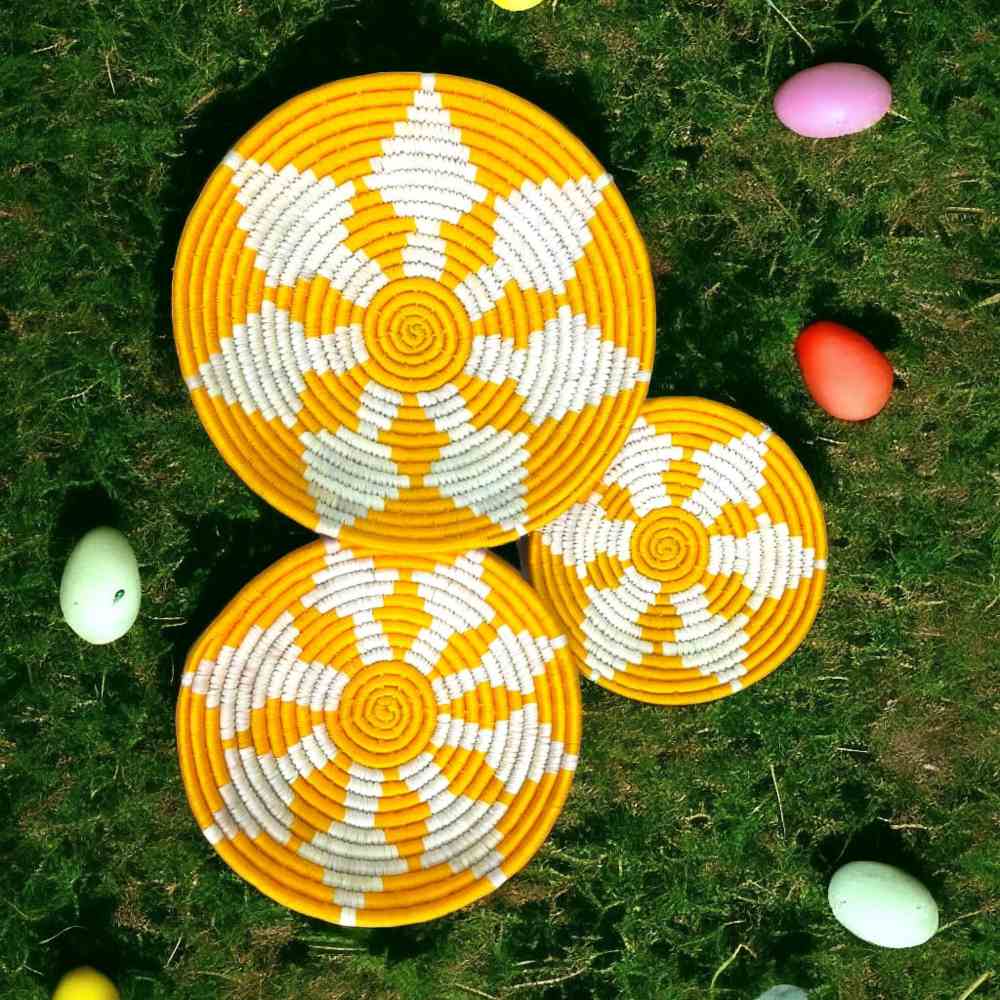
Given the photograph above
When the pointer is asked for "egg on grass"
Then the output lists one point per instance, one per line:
(100, 590)
(832, 100)
(883, 905)
(85, 983)
(517, 4)
(844, 372)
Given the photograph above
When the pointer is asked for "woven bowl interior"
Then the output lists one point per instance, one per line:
(413, 312)
(378, 739)
(697, 565)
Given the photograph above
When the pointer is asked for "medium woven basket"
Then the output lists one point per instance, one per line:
(403, 301)
(379, 739)
(697, 566)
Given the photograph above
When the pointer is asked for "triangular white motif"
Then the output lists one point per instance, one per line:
(730, 473)
(295, 222)
(541, 231)
(584, 532)
(425, 173)
(611, 623)
(272, 387)
(639, 467)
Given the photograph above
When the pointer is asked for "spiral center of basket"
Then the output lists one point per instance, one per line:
(386, 715)
(417, 335)
(671, 545)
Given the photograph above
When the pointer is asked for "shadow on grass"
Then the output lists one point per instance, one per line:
(719, 359)
(83, 509)
(89, 937)
(226, 554)
(864, 43)
(876, 841)
(879, 325)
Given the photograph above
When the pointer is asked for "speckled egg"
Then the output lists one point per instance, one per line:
(833, 99)
(844, 372)
(100, 590)
(883, 905)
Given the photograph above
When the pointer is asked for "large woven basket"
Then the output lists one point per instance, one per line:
(403, 302)
(697, 566)
(379, 739)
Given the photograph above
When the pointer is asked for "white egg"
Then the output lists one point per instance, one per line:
(883, 905)
(784, 992)
(100, 590)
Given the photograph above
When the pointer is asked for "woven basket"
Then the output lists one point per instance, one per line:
(378, 740)
(697, 566)
(402, 301)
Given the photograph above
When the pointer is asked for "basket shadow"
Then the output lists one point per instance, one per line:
(225, 555)
(864, 43)
(380, 36)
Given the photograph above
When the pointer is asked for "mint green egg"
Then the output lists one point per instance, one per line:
(883, 905)
(100, 590)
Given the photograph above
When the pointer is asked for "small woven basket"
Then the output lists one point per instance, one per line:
(697, 566)
(378, 740)
(402, 301)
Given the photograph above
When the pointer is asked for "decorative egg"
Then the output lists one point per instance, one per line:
(844, 372)
(883, 905)
(100, 590)
(85, 984)
(832, 99)
(517, 4)
(784, 992)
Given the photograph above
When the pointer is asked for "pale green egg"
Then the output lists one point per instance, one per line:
(100, 590)
(883, 905)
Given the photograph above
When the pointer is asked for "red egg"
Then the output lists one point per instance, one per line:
(843, 371)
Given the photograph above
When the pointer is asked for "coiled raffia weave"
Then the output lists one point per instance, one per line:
(379, 739)
(402, 301)
(697, 566)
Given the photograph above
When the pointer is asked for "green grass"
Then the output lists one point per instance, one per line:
(882, 731)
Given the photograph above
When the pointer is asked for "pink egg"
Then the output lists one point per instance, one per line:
(832, 99)
(844, 372)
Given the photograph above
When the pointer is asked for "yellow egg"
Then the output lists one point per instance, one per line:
(517, 4)
(85, 984)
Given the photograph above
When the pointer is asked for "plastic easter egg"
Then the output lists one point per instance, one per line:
(85, 984)
(844, 372)
(883, 905)
(784, 992)
(517, 4)
(832, 99)
(100, 590)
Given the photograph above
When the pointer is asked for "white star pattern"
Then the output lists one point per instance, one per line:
(332, 331)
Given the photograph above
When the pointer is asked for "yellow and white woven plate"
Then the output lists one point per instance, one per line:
(402, 301)
(697, 565)
(379, 739)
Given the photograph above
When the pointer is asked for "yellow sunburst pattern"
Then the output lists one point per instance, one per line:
(697, 565)
(402, 301)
